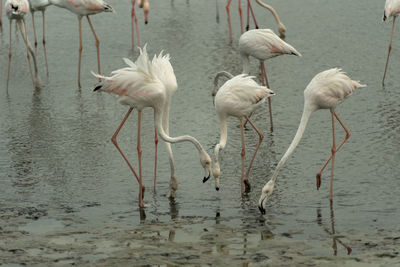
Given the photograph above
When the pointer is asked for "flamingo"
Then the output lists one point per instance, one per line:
(149, 84)
(146, 9)
(281, 26)
(40, 5)
(1, 13)
(85, 8)
(238, 97)
(392, 9)
(325, 91)
(263, 44)
(16, 10)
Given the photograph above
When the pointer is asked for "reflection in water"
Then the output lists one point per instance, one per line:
(173, 209)
(332, 232)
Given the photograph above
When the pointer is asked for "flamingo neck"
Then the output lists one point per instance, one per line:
(216, 79)
(165, 125)
(246, 63)
(222, 140)
(302, 126)
(270, 8)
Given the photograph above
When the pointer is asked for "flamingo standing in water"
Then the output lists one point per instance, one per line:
(325, 91)
(146, 9)
(281, 26)
(263, 44)
(85, 8)
(392, 9)
(16, 10)
(149, 84)
(238, 97)
(40, 5)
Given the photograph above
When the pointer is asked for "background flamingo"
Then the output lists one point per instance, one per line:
(325, 91)
(263, 44)
(238, 97)
(85, 8)
(1, 15)
(146, 9)
(392, 9)
(16, 10)
(149, 84)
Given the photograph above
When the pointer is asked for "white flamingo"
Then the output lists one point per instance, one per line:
(325, 91)
(16, 10)
(149, 84)
(85, 8)
(392, 9)
(263, 44)
(238, 97)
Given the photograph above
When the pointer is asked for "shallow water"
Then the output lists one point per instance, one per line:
(67, 196)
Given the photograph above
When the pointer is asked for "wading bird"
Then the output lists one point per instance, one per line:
(16, 10)
(149, 84)
(146, 9)
(263, 44)
(325, 91)
(392, 9)
(85, 8)
(40, 5)
(238, 97)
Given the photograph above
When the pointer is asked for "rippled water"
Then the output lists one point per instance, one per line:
(61, 175)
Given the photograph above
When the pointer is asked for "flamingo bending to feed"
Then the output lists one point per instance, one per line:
(16, 10)
(263, 44)
(392, 9)
(144, 84)
(85, 8)
(238, 97)
(325, 91)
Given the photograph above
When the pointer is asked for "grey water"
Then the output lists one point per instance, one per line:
(62, 180)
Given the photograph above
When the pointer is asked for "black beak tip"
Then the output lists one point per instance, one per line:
(262, 210)
(146, 22)
(217, 188)
(205, 179)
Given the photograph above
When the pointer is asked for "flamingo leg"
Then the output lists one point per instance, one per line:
(229, 20)
(114, 141)
(241, 16)
(264, 75)
(333, 157)
(97, 45)
(80, 51)
(337, 149)
(34, 31)
(9, 56)
(155, 155)
(248, 16)
(44, 43)
(140, 152)
(260, 138)
(1, 13)
(245, 183)
(389, 50)
(22, 27)
(252, 14)
(134, 24)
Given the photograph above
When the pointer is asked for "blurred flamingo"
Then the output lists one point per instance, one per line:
(325, 91)
(149, 84)
(146, 9)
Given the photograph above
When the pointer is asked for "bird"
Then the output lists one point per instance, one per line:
(146, 9)
(238, 97)
(85, 8)
(1, 14)
(39, 5)
(325, 91)
(281, 26)
(263, 44)
(144, 84)
(16, 10)
(392, 9)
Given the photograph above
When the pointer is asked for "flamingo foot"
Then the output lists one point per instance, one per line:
(318, 181)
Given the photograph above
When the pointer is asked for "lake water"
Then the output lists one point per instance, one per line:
(68, 197)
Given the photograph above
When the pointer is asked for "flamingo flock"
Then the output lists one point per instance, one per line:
(151, 83)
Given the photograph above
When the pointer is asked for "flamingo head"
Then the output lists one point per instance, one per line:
(265, 193)
(205, 161)
(146, 10)
(282, 30)
(216, 173)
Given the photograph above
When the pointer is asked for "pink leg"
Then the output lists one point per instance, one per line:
(264, 75)
(229, 20)
(248, 16)
(261, 137)
(114, 141)
(241, 17)
(97, 45)
(252, 14)
(134, 21)
(44, 44)
(25, 37)
(9, 56)
(390, 49)
(138, 147)
(155, 156)
(333, 157)
(34, 31)
(245, 185)
(337, 149)
(80, 51)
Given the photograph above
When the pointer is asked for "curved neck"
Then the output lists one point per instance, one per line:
(216, 79)
(165, 125)
(222, 140)
(270, 8)
(246, 63)
(164, 136)
(302, 126)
